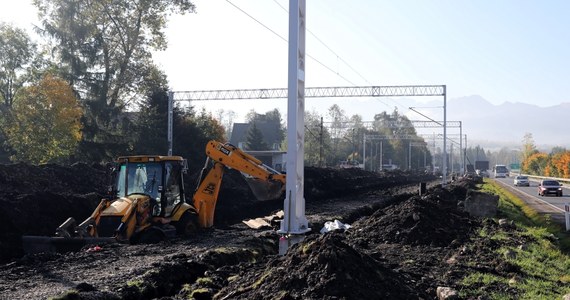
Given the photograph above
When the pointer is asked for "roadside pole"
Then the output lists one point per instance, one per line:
(567, 215)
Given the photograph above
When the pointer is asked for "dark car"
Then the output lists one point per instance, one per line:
(550, 187)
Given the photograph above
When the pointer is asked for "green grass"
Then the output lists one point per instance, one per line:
(544, 265)
(513, 208)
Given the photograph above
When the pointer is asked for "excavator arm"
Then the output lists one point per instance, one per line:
(233, 157)
(265, 182)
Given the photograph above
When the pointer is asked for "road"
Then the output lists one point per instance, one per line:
(547, 205)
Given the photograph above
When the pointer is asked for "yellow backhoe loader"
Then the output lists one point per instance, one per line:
(147, 202)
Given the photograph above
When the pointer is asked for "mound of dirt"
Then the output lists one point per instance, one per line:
(37, 199)
(429, 220)
(322, 267)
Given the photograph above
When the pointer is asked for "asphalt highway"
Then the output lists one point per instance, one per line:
(548, 205)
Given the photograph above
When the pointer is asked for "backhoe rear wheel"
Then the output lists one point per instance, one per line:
(188, 223)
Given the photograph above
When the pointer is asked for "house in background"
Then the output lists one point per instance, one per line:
(273, 157)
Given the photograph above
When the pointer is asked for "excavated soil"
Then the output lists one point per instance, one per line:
(400, 246)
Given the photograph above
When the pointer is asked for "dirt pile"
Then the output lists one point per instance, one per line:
(429, 220)
(37, 199)
(321, 267)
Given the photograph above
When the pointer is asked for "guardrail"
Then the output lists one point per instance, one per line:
(563, 180)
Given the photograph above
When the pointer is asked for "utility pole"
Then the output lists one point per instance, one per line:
(321, 144)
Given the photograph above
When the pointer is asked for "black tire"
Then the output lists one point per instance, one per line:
(188, 223)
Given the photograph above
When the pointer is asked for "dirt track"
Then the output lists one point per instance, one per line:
(401, 246)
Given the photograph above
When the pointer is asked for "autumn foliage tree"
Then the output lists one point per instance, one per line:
(559, 165)
(535, 163)
(44, 124)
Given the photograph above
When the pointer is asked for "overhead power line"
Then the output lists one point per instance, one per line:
(310, 56)
(329, 48)
(285, 40)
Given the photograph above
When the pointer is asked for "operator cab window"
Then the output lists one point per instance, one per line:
(172, 192)
(139, 178)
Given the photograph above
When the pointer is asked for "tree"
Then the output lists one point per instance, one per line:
(105, 45)
(103, 48)
(191, 131)
(16, 54)
(351, 138)
(528, 146)
(397, 150)
(226, 118)
(558, 149)
(152, 120)
(558, 165)
(254, 139)
(535, 164)
(476, 153)
(317, 140)
(271, 119)
(45, 122)
(338, 119)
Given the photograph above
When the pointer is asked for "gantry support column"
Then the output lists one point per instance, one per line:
(295, 221)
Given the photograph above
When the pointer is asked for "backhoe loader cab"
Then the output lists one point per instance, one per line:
(149, 203)
(160, 178)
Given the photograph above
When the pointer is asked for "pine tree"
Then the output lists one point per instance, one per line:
(255, 139)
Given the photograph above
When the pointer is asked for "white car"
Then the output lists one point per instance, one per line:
(521, 181)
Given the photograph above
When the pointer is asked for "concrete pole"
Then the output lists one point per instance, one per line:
(295, 221)
(444, 177)
(170, 120)
(381, 157)
(364, 153)
(461, 160)
(410, 155)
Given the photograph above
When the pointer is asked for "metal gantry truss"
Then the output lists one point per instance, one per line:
(313, 92)
(414, 124)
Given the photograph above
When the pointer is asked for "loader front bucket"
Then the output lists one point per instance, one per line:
(39, 244)
(265, 190)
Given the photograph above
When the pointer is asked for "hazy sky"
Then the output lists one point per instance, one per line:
(508, 50)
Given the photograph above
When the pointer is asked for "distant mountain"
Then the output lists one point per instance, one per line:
(491, 126)
(506, 124)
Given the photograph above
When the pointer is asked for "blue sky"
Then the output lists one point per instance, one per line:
(504, 51)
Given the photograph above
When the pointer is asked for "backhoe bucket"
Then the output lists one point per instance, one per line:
(39, 244)
(265, 190)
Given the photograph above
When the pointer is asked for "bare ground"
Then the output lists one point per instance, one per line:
(400, 246)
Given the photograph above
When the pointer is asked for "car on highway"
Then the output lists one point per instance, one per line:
(521, 181)
(550, 187)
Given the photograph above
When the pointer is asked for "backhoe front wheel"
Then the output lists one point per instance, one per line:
(152, 235)
(188, 223)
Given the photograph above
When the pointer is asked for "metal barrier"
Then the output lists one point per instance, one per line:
(563, 180)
